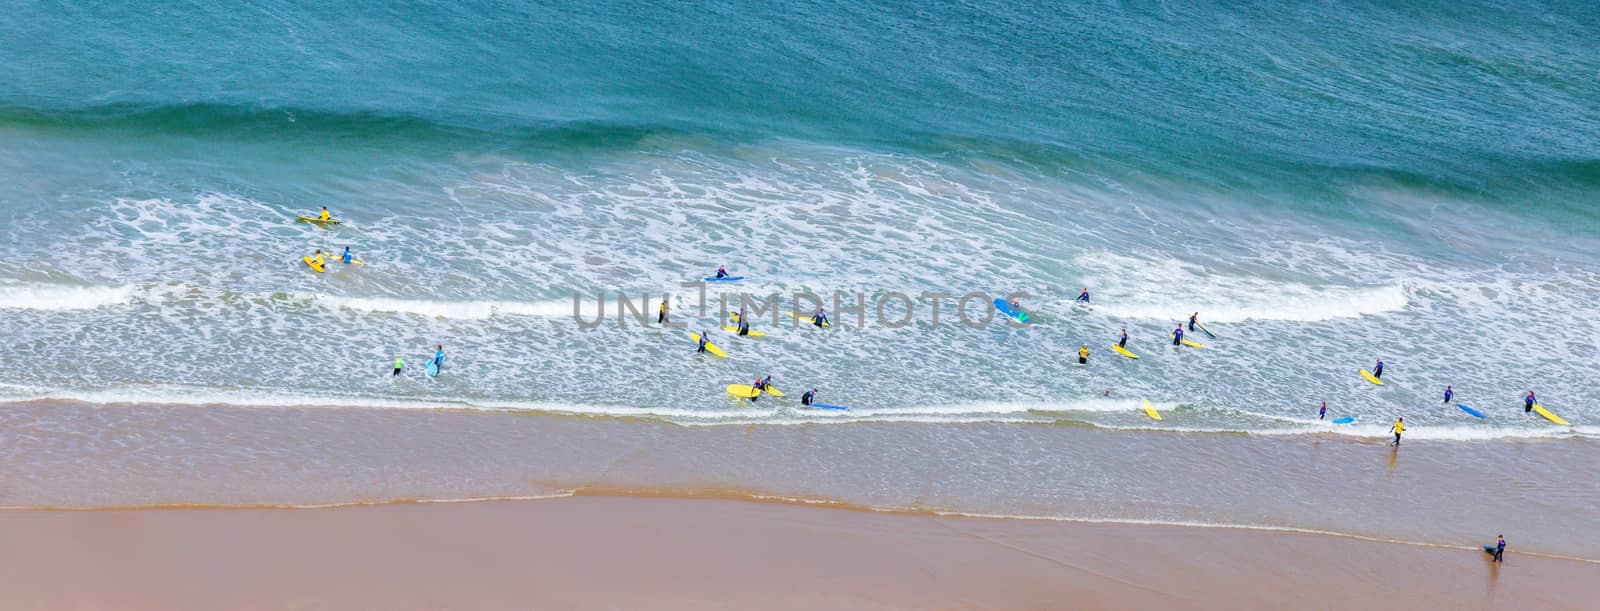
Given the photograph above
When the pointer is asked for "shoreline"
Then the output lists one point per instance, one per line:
(587, 551)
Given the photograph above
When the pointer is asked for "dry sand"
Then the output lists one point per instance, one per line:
(630, 552)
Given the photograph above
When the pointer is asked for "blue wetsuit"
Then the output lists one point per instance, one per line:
(1083, 297)
(1448, 394)
(1177, 336)
(1377, 370)
(346, 257)
(1528, 403)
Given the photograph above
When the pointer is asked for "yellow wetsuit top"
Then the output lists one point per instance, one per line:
(1399, 427)
(1083, 353)
(320, 259)
(326, 216)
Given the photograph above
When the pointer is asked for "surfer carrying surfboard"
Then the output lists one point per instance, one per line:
(1500, 550)
(1377, 370)
(1528, 402)
(1193, 318)
(438, 357)
(1398, 428)
(1448, 393)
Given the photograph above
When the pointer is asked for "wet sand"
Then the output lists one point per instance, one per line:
(641, 552)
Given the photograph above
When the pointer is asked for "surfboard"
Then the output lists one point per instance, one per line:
(1490, 548)
(309, 219)
(726, 279)
(1344, 420)
(1203, 328)
(1150, 410)
(1186, 341)
(710, 347)
(432, 368)
(772, 390)
(826, 406)
(311, 262)
(809, 320)
(1469, 410)
(1371, 378)
(1549, 416)
(1124, 351)
(743, 391)
(735, 330)
(1005, 308)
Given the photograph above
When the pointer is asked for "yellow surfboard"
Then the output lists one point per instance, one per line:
(710, 347)
(735, 330)
(1371, 378)
(1186, 342)
(1150, 410)
(311, 219)
(809, 320)
(1549, 416)
(772, 390)
(312, 263)
(1124, 351)
(743, 391)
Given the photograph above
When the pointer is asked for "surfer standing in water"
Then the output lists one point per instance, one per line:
(1084, 296)
(1398, 428)
(1193, 318)
(1377, 370)
(1083, 355)
(819, 318)
(661, 313)
(1529, 401)
(703, 341)
(1448, 393)
(1322, 413)
(1123, 343)
(1177, 335)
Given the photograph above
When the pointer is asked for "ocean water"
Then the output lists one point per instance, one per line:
(1325, 184)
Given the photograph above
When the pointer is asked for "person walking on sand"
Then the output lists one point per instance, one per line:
(1500, 550)
(1398, 428)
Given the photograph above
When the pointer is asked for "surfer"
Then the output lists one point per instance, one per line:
(1084, 296)
(1529, 401)
(765, 384)
(1398, 428)
(1123, 343)
(1377, 370)
(346, 257)
(1193, 318)
(325, 215)
(320, 258)
(1177, 335)
(1083, 355)
(438, 357)
(1500, 550)
(703, 341)
(1322, 413)
(806, 399)
(399, 363)
(819, 318)
(1448, 393)
(661, 313)
(722, 272)
(744, 325)
(760, 385)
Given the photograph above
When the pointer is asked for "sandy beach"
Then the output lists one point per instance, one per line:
(632, 552)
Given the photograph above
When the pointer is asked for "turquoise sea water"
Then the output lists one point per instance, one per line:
(1327, 184)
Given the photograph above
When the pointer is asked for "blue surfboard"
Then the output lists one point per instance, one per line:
(1207, 331)
(1469, 410)
(1489, 548)
(432, 368)
(1344, 420)
(727, 279)
(826, 406)
(1005, 308)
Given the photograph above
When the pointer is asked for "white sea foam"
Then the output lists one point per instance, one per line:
(459, 310)
(1130, 287)
(33, 296)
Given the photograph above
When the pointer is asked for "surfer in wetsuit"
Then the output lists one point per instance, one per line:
(661, 313)
(744, 326)
(703, 341)
(1398, 428)
(1083, 355)
(1123, 343)
(760, 385)
(346, 257)
(1322, 412)
(399, 363)
(325, 215)
(1500, 550)
(807, 398)
(820, 318)
(321, 259)
(1084, 296)
(438, 357)
(1448, 393)
(1528, 402)
(1377, 370)
(1192, 319)
(722, 272)
(1177, 335)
